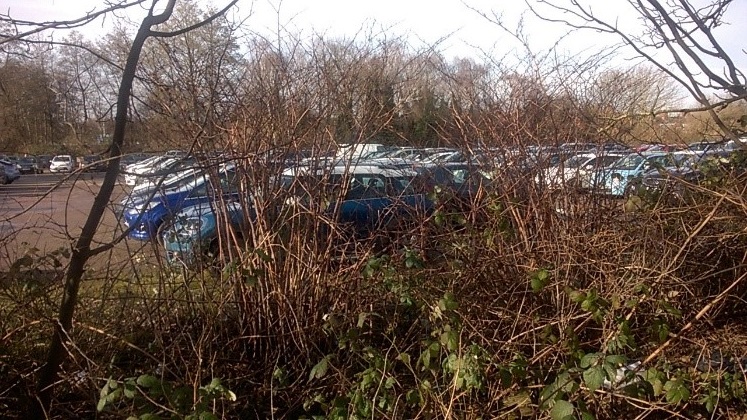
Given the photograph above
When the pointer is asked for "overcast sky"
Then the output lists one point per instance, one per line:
(460, 30)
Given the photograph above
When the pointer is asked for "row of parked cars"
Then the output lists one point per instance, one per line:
(187, 203)
(12, 167)
(180, 204)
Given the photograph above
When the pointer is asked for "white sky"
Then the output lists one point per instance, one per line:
(423, 21)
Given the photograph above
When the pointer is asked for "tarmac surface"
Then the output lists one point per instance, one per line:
(43, 213)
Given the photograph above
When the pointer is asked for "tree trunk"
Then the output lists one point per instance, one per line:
(82, 251)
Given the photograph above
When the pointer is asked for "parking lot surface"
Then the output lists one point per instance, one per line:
(43, 213)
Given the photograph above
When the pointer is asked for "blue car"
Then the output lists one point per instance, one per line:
(194, 232)
(376, 197)
(144, 214)
(8, 172)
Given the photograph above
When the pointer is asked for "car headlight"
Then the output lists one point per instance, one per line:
(190, 227)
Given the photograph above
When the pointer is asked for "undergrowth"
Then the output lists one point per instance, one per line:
(515, 310)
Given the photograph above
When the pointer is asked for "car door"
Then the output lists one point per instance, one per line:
(366, 203)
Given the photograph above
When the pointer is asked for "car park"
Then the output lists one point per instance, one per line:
(688, 169)
(44, 161)
(8, 172)
(62, 163)
(143, 214)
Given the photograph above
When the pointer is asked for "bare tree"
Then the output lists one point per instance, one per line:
(678, 37)
(82, 250)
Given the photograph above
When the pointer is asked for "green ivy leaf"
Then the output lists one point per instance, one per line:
(561, 410)
(129, 391)
(448, 302)
(654, 377)
(450, 340)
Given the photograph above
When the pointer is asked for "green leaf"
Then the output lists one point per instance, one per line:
(588, 360)
(539, 280)
(129, 391)
(676, 390)
(448, 302)
(404, 358)
(615, 360)
(594, 377)
(587, 416)
(148, 381)
(320, 369)
(102, 404)
(576, 296)
(654, 377)
(561, 410)
(450, 340)
(671, 309)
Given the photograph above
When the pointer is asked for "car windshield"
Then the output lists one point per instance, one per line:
(61, 159)
(603, 161)
(664, 161)
(575, 161)
(629, 162)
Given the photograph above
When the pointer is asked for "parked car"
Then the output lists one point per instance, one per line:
(194, 233)
(576, 171)
(614, 180)
(364, 200)
(145, 213)
(44, 161)
(130, 159)
(28, 165)
(457, 185)
(157, 173)
(673, 180)
(8, 172)
(133, 172)
(94, 163)
(62, 163)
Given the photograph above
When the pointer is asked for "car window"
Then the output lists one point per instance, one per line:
(629, 162)
(363, 186)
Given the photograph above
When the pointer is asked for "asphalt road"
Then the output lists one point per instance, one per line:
(43, 213)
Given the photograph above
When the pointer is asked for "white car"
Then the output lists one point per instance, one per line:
(133, 172)
(62, 163)
(575, 171)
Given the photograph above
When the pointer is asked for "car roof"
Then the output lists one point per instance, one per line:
(360, 168)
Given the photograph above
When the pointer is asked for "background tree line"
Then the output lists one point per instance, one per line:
(210, 84)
